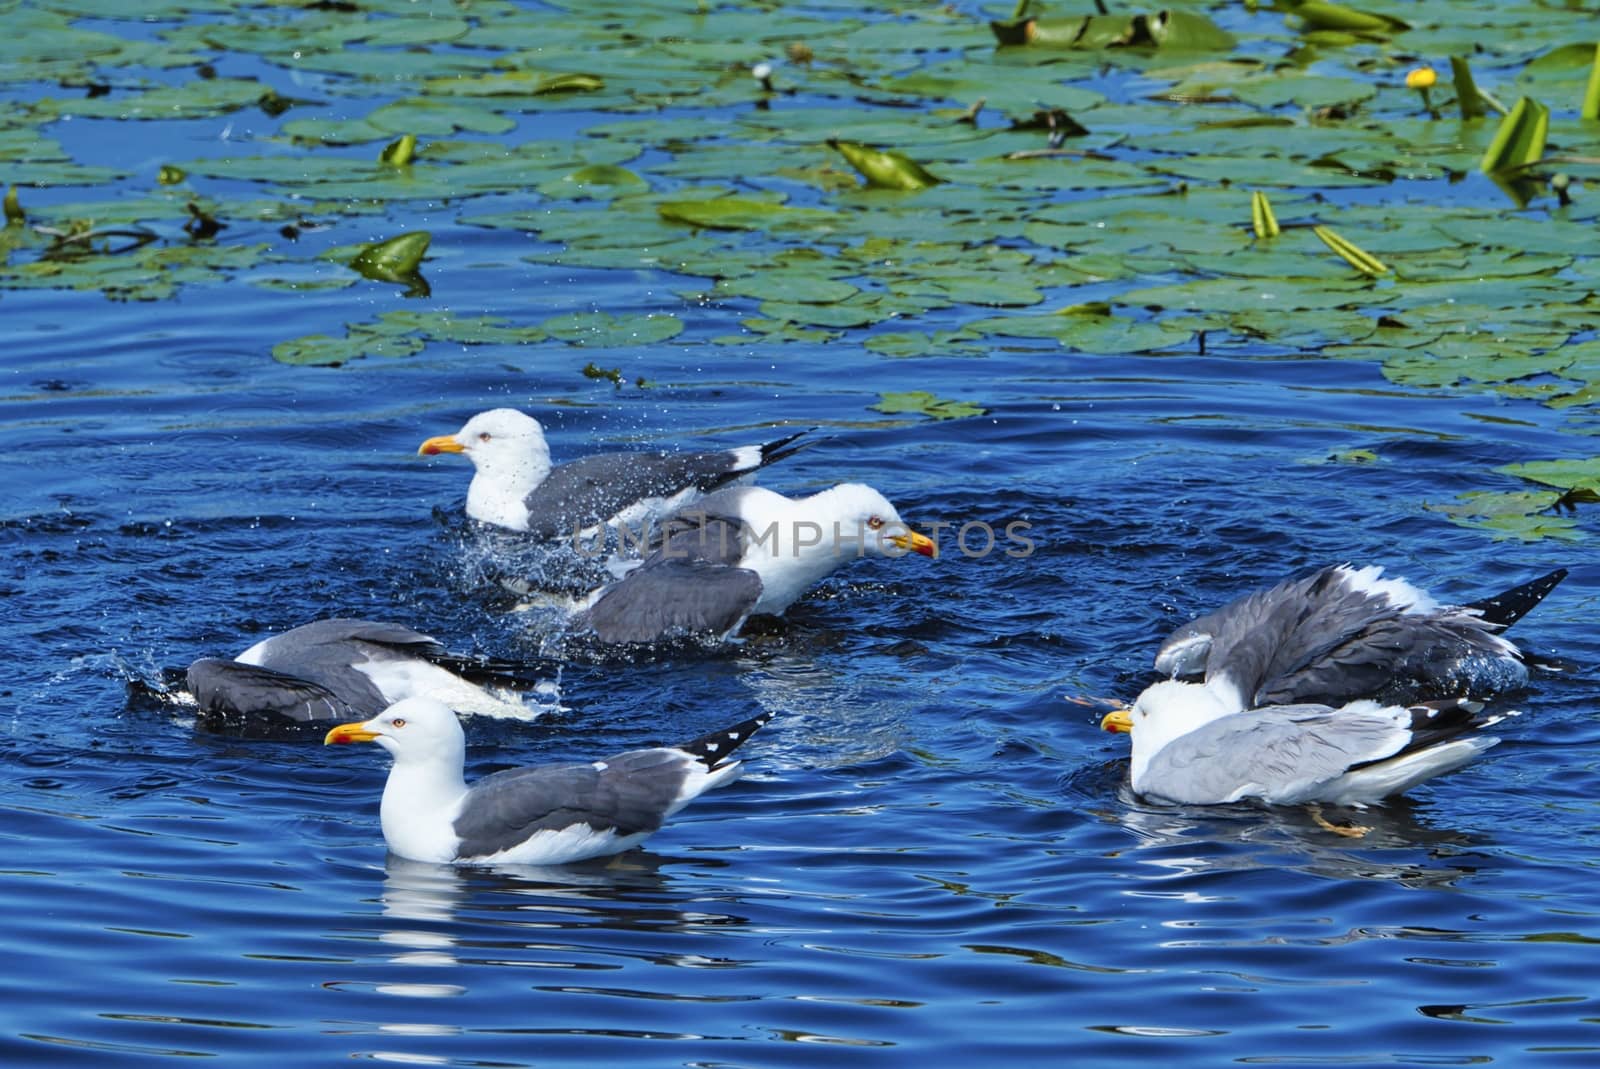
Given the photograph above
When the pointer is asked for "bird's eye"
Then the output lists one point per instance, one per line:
(875, 523)
(399, 721)
(485, 436)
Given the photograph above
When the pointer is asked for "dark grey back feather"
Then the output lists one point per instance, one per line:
(1315, 639)
(662, 598)
(247, 699)
(629, 794)
(587, 492)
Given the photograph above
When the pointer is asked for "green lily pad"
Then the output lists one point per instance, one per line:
(319, 350)
(600, 330)
(740, 213)
(922, 403)
(904, 344)
(1523, 515)
(1567, 474)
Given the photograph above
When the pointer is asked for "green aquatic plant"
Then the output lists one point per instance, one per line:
(398, 260)
(883, 168)
(922, 403)
(1519, 141)
(1351, 253)
(399, 152)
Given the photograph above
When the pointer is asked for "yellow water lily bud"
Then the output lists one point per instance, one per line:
(1421, 78)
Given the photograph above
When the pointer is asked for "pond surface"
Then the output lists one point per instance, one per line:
(933, 856)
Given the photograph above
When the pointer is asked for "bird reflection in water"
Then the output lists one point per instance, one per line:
(1403, 844)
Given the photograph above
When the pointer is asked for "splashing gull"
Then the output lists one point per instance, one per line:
(1345, 633)
(744, 551)
(515, 485)
(337, 669)
(540, 815)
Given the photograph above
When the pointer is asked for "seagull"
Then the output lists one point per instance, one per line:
(540, 815)
(744, 551)
(1191, 748)
(1346, 633)
(515, 486)
(336, 669)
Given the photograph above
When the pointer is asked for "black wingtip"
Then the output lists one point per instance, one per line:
(774, 451)
(491, 671)
(1507, 607)
(712, 749)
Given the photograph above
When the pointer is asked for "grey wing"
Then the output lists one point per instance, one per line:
(334, 639)
(591, 490)
(708, 530)
(1212, 642)
(667, 596)
(1402, 658)
(1273, 634)
(629, 794)
(261, 701)
(1273, 753)
(326, 652)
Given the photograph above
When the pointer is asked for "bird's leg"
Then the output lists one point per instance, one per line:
(1350, 831)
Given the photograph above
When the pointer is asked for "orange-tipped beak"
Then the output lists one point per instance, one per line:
(445, 443)
(1119, 720)
(348, 733)
(916, 543)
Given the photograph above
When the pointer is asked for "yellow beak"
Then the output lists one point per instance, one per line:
(1117, 720)
(445, 443)
(915, 543)
(349, 733)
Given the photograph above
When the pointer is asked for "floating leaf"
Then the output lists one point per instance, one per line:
(1521, 514)
(1262, 221)
(1177, 31)
(386, 260)
(915, 343)
(605, 331)
(920, 402)
(319, 350)
(1354, 255)
(1568, 474)
(594, 180)
(396, 260)
(1322, 15)
(569, 83)
(885, 169)
(400, 151)
(738, 213)
(1519, 142)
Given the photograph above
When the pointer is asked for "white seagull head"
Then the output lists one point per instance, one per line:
(857, 511)
(511, 456)
(1163, 712)
(414, 730)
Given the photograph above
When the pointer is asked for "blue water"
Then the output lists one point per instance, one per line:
(933, 857)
